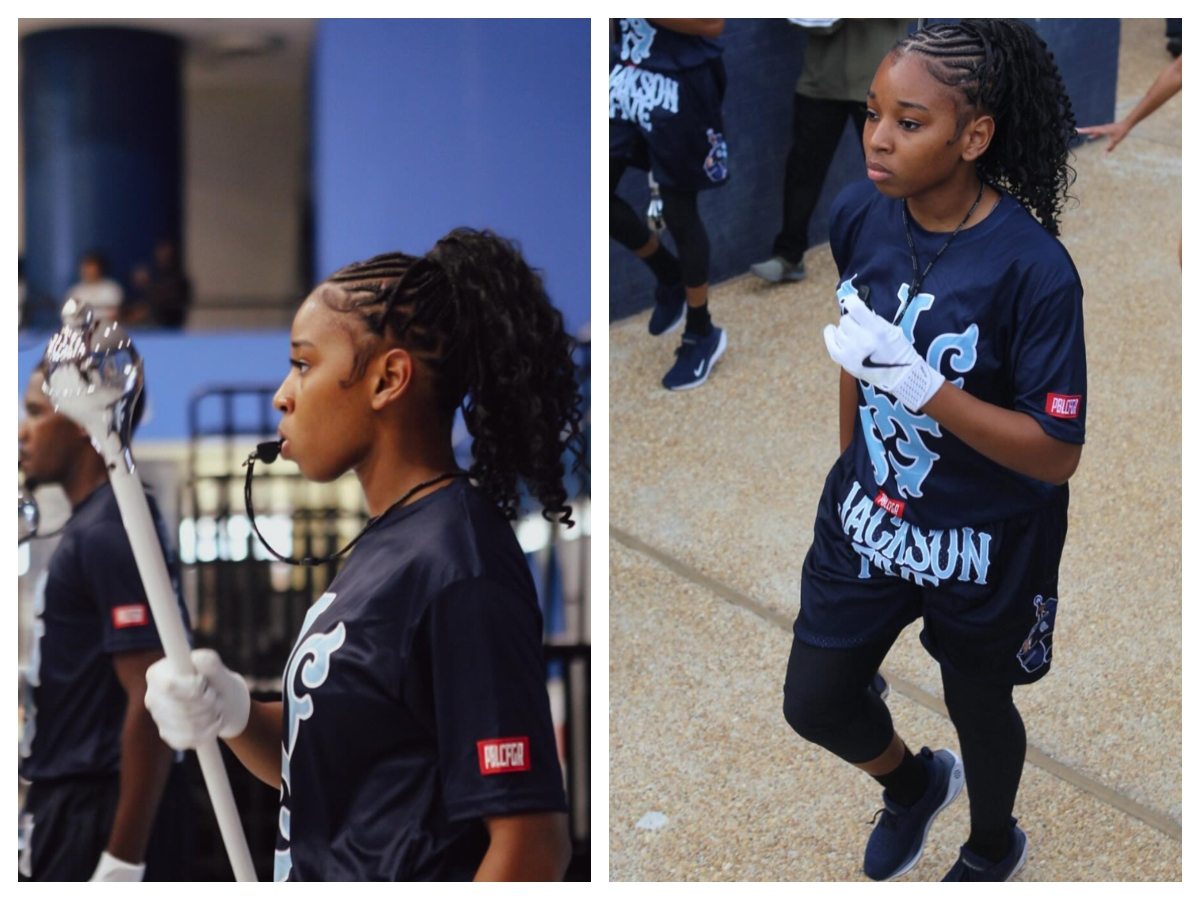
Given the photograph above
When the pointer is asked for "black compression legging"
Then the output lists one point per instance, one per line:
(827, 699)
(682, 217)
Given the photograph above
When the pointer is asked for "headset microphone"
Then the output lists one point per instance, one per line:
(268, 452)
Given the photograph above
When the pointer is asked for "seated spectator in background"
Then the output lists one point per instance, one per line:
(99, 292)
(162, 294)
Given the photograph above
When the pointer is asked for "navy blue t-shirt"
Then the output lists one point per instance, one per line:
(415, 701)
(89, 604)
(1000, 315)
(638, 43)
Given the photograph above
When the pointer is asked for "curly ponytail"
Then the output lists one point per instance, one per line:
(475, 312)
(1002, 67)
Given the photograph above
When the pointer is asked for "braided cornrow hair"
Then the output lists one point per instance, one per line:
(1003, 68)
(477, 315)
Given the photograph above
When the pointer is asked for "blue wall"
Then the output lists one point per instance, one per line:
(420, 126)
(763, 59)
(102, 127)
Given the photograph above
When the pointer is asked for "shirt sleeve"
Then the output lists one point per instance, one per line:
(1049, 364)
(115, 586)
(496, 746)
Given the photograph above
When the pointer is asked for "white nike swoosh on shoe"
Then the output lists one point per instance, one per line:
(699, 370)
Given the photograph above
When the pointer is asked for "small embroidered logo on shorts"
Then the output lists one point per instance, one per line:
(1039, 645)
(895, 507)
(1063, 406)
(716, 164)
(500, 755)
(130, 616)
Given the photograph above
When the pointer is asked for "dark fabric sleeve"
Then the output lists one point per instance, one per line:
(1049, 363)
(496, 746)
(114, 585)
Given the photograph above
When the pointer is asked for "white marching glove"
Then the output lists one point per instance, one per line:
(874, 350)
(112, 869)
(193, 709)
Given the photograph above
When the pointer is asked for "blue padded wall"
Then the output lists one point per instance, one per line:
(423, 125)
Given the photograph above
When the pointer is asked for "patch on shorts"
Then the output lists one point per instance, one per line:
(1035, 653)
(716, 164)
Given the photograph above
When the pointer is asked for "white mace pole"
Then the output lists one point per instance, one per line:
(94, 376)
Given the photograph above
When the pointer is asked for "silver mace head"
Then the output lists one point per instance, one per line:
(94, 376)
(27, 515)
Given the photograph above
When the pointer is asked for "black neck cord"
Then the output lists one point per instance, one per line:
(918, 280)
(268, 451)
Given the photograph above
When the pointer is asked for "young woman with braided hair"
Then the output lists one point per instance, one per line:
(962, 417)
(415, 724)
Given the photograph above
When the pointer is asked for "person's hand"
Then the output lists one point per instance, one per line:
(1114, 131)
(112, 869)
(193, 709)
(874, 350)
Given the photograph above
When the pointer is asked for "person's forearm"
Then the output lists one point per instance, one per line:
(1010, 438)
(259, 747)
(145, 765)
(709, 28)
(534, 847)
(847, 408)
(1166, 86)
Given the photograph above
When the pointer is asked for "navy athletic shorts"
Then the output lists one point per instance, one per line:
(65, 826)
(670, 124)
(987, 593)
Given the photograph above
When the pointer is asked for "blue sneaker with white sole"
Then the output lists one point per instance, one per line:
(973, 867)
(900, 831)
(694, 359)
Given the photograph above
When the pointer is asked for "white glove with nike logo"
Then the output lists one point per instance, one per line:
(874, 350)
(190, 710)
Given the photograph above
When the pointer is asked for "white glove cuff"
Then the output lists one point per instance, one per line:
(918, 384)
(112, 869)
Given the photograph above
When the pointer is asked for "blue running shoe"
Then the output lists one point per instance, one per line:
(973, 867)
(694, 359)
(670, 302)
(899, 836)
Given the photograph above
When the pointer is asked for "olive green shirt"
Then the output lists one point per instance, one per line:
(840, 59)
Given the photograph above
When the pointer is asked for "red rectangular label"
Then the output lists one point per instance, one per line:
(895, 507)
(500, 755)
(1063, 406)
(130, 616)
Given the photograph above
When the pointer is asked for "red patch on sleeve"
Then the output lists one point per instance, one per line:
(1063, 406)
(130, 616)
(500, 755)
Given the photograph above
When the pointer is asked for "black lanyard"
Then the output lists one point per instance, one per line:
(918, 280)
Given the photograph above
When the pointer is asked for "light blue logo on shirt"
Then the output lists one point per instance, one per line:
(309, 665)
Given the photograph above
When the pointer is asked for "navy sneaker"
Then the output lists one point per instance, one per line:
(694, 359)
(670, 303)
(973, 867)
(899, 836)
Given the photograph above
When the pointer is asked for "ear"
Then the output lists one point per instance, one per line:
(391, 377)
(977, 137)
